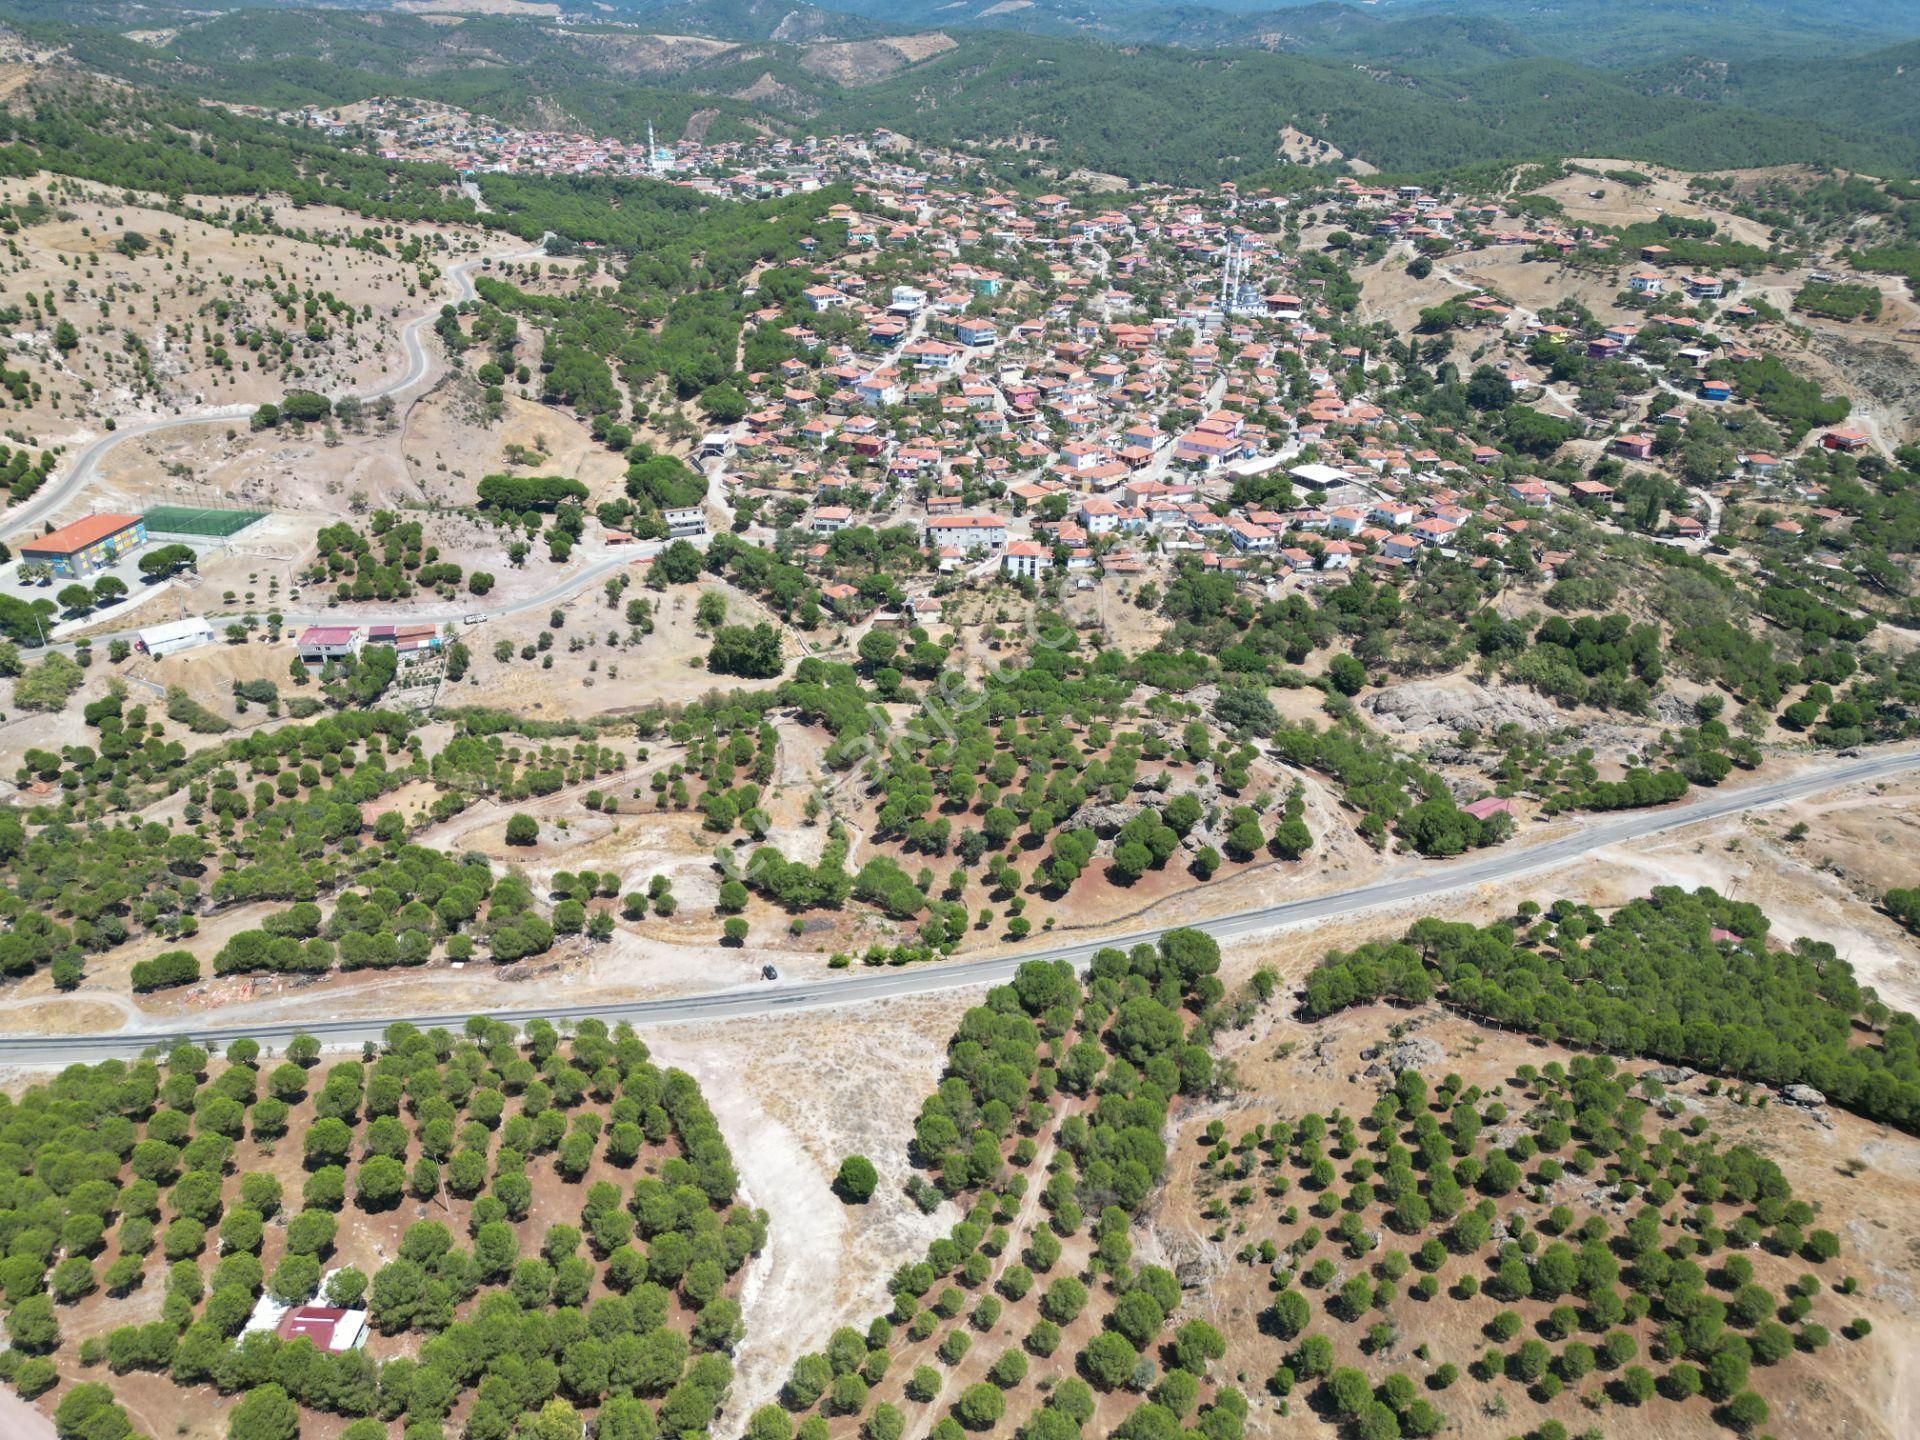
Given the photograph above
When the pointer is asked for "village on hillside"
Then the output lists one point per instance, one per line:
(835, 787)
(1097, 386)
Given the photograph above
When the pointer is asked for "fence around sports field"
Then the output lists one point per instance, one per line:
(206, 522)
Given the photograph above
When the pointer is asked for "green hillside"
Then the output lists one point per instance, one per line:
(1624, 34)
(1877, 91)
(1606, 34)
(517, 72)
(1168, 114)
(747, 19)
(1417, 94)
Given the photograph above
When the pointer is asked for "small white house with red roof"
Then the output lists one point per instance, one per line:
(1024, 559)
(332, 1330)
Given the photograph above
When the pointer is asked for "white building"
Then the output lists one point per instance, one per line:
(1024, 559)
(1101, 517)
(1318, 477)
(967, 532)
(831, 519)
(321, 643)
(682, 524)
(175, 635)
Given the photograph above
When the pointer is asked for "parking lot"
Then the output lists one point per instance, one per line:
(126, 570)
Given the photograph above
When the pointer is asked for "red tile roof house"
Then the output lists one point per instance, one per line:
(967, 532)
(1634, 447)
(321, 643)
(1204, 448)
(1204, 521)
(829, 518)
(408, 641)
(1024, 559)
(1846, 441)
(1347, 522)
(1491, 805)
(1248, 536)
(1396, 513)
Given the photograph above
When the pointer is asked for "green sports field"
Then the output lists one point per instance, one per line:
(192, 520)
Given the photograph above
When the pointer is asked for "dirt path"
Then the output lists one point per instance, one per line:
(793, 1098)
(951, 1376)
(781, 1292)
(419, 370)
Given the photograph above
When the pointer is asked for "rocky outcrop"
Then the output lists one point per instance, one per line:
(1457, 705)
(1416, 1052)
(1106, 820)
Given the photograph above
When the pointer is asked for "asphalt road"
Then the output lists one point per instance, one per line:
(52, 496)
(419, 365)
(1413, 881)
(473, 613)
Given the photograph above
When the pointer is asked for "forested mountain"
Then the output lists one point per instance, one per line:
(1607, 34)
(746, 19)
(520, 73)
(1620, 34)
(1439, 41)
(1166, 113)
(1410, 88)
(1876, 91)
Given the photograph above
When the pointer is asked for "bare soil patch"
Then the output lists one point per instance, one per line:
(866, 62)
(794, 1098)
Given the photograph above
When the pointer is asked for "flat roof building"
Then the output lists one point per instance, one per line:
(685, 522)
(1319, 477)
(175, 635)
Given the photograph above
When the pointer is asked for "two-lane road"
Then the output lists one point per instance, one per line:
(419, 364)
(569, 585)
(1413, 881)
(418, 368)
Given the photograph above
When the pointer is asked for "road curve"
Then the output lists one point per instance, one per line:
(52, 496)
(1409, 882)
(419, 365)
